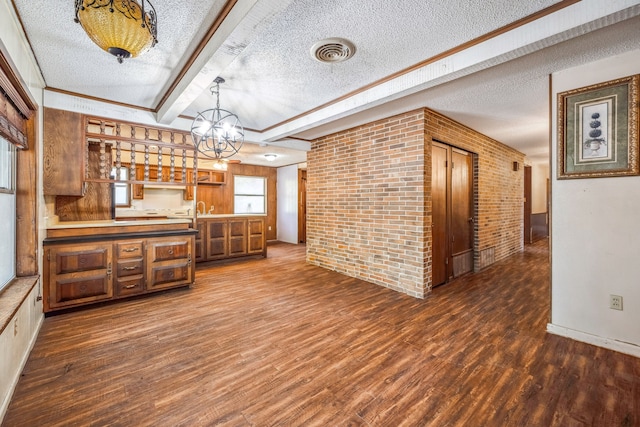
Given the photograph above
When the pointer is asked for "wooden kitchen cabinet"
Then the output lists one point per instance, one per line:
(201, 226)
(211, 177)
(231, 237)
(137, 190)
(109, 268)
(165, 177)
(129, 268)
(256, 236)
(189, 192)
(78, 274)
(216, 242)
(64, 153)
(237, 232)
(169, 262)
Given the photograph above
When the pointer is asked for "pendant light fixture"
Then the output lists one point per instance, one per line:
(124, 28)
(217, 133)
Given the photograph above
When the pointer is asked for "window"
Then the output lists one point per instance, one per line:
(7, 212)
(7, 166)
(122, 190)
(249, 195)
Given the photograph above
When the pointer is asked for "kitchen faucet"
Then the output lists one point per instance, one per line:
(204, 208)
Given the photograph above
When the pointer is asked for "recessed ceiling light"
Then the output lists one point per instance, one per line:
(270, 157)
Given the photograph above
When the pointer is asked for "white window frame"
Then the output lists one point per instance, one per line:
(258, 195)
(8, 201)
(7, 166)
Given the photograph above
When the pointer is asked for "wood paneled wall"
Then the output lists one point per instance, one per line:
(19, 124)
(221, 196)
(27, 204)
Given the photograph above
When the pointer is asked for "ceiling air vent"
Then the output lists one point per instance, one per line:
(333, 50)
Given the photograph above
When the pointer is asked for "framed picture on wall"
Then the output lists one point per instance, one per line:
(598, 130)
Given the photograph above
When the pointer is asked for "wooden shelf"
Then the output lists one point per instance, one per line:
(211, 177)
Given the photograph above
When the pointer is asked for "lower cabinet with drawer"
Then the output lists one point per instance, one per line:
(78, 273)
(129, 268)
(169, 263)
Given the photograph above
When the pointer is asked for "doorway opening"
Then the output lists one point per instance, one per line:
(302, 205)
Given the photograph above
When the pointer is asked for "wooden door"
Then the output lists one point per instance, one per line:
(452, 212)
(527, 205)
(439, 223)
(302, 206)
(461, 212)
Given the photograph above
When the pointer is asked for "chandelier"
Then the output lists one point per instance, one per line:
(217, 133)
(124, 28)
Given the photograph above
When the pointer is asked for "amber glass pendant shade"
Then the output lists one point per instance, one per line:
(124, 28)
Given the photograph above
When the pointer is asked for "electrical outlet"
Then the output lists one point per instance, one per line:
(615, 302)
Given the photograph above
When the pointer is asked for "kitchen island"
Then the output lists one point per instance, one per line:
(229, 236)
(87, 262)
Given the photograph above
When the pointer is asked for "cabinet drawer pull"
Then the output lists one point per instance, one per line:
(129, 268)
(130, 249)
(129, 286)
(170, 251)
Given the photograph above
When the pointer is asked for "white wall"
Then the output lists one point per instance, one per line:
(288, 204)
(539, 176)
(16, 341)
(595, 247)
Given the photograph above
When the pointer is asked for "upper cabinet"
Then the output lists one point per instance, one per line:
(211, 177)
(163, 178)
(64, 153)
(150, 155)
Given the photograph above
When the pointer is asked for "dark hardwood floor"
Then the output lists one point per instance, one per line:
(277, 342)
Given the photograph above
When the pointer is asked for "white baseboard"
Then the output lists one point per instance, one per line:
(609, 343)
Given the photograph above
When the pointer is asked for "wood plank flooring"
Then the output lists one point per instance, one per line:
(277, 342)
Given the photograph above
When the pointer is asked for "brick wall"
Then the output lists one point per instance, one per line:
(499, 191)
(369, 205)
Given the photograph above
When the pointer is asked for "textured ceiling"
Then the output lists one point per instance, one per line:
(498, 87)
(71, 62)
(509, 102)
(276, 77)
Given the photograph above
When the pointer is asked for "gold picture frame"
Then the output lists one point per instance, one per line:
(598, 130)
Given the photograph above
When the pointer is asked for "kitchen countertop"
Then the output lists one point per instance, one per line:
(116, 223)
(205, 216)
